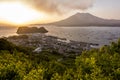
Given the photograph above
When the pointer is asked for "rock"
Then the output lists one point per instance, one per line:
(38, 50)
(26, 30)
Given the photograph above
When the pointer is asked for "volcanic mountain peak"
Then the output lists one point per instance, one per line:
(86, 19)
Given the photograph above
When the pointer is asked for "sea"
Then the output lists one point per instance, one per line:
(94, 34)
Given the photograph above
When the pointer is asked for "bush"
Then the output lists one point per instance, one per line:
(96, 64)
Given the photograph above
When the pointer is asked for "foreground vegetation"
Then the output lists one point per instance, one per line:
(19, 63)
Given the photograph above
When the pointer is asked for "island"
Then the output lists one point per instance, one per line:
(27, 30)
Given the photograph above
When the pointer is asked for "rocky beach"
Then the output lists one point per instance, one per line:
(41, 41)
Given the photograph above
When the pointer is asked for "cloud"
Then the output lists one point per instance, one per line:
(58, 6)
(50, 6)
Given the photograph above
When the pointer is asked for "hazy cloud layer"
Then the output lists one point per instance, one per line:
(58, 6)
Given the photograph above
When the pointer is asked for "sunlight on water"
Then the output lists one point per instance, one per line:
(7, 32)
(102, 35)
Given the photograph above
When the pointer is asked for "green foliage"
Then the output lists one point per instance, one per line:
(100, 64)
(5, 45)
(22, 64)
(35, 74)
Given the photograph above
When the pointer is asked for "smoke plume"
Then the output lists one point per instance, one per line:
(57, 6)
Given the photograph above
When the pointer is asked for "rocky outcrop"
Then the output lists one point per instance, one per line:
(26, 30)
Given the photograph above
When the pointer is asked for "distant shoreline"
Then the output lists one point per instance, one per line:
(73, 25)
(88, 26)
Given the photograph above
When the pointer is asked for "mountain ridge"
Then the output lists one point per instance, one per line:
(86, 19)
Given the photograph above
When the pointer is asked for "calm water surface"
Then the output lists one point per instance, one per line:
(8, 32)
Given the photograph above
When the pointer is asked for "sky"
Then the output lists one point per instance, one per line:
(106, 8)
(45, 11)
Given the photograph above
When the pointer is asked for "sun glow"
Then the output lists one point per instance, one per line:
(18, 13)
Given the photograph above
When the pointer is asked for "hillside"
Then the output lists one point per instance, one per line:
(86, 19)
(20, 63)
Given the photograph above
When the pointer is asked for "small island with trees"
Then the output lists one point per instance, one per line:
(27, 30)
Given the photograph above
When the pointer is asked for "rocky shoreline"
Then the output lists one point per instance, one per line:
(42, 42)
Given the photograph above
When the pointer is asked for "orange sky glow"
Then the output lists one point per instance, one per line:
(23, 12)
(19, 13)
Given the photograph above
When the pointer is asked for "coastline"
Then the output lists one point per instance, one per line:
(44, 42)
(102, 36)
